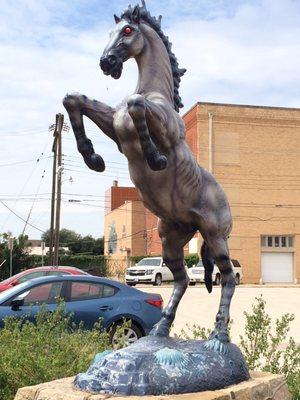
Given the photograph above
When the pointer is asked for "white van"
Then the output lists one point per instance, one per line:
(149, 270)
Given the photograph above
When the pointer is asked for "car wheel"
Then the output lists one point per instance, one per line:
(237, 279)
(131, 283)
(192, 283)
(158, 280)
(121, 339)
(218, 280)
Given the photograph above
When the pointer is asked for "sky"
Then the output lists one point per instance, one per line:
(235, 51)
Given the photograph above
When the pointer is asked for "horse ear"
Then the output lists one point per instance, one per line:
(117, 19)
(136, 14)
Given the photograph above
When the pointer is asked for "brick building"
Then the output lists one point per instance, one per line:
(254, 154)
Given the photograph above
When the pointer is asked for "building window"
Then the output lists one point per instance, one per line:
(277, 241)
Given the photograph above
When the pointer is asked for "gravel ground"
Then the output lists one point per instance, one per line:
(199, 307)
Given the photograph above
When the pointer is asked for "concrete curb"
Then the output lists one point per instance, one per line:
(261, 386)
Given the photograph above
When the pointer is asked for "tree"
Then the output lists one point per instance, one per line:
(20, 259)
(66, 236)
(98, 247)
(76, 243)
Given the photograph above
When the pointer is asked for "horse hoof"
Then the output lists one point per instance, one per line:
(161, 330)
(158, 163)
(217, 345)
(95, 162)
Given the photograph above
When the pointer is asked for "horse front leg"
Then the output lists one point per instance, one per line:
(173, 240)
(137, 111)
(101, 114)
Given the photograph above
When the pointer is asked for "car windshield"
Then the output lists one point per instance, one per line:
(155, 262)
(12, 291)
(200, 264)
(12, 278)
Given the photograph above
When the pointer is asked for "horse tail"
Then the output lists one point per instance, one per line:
(208, 263)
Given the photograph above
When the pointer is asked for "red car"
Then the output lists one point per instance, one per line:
(38, 272)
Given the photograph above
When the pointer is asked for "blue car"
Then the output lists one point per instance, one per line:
(88, 298)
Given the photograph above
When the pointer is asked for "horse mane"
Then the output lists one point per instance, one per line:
(155, 23)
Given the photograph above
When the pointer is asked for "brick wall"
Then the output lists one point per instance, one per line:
(255, 157)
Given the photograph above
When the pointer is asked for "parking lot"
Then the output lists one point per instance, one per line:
(199, 307)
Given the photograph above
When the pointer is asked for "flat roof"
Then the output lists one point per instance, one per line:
(208, 103)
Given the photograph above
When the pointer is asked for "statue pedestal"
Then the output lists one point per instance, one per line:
(260, 386)
(156, 366)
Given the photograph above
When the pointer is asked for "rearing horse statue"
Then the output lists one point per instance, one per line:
(148, 130)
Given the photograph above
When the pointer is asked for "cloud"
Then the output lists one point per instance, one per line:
(235, 52)
(251, 58)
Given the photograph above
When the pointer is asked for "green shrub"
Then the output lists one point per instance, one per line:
(191, 259)
(265, 350)
(52, 348)
(262, 348)
(194, 332)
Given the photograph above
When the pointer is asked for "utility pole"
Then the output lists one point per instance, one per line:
(54, 150)
(58, 193)
(56, 188)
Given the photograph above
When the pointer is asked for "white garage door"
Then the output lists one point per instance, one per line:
(277, 267)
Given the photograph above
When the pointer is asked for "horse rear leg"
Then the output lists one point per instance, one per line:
(173, 241)
(101, 114)
(219, 249)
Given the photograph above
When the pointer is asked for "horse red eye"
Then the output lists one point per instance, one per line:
(128, 30)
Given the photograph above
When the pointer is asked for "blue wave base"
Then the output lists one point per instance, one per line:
(159, 365)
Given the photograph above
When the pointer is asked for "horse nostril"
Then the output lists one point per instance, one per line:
(104, 64)
(112, 59)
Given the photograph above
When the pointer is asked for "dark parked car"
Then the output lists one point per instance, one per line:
(38, 272)
(88, 298)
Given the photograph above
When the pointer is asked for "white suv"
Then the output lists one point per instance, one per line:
(196, 273)
(149, 270)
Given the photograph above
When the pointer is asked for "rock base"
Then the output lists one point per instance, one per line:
(260, 386)
(164, 365)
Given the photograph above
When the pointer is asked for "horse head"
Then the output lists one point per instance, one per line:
(126, 41)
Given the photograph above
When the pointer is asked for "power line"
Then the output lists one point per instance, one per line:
(235, 217)
(101, 199)
(94, 173)
(23, 162)
(28, 179)
(108, 169)
(34, 200)
(108, 162)
(18, 216)
(125, 237)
